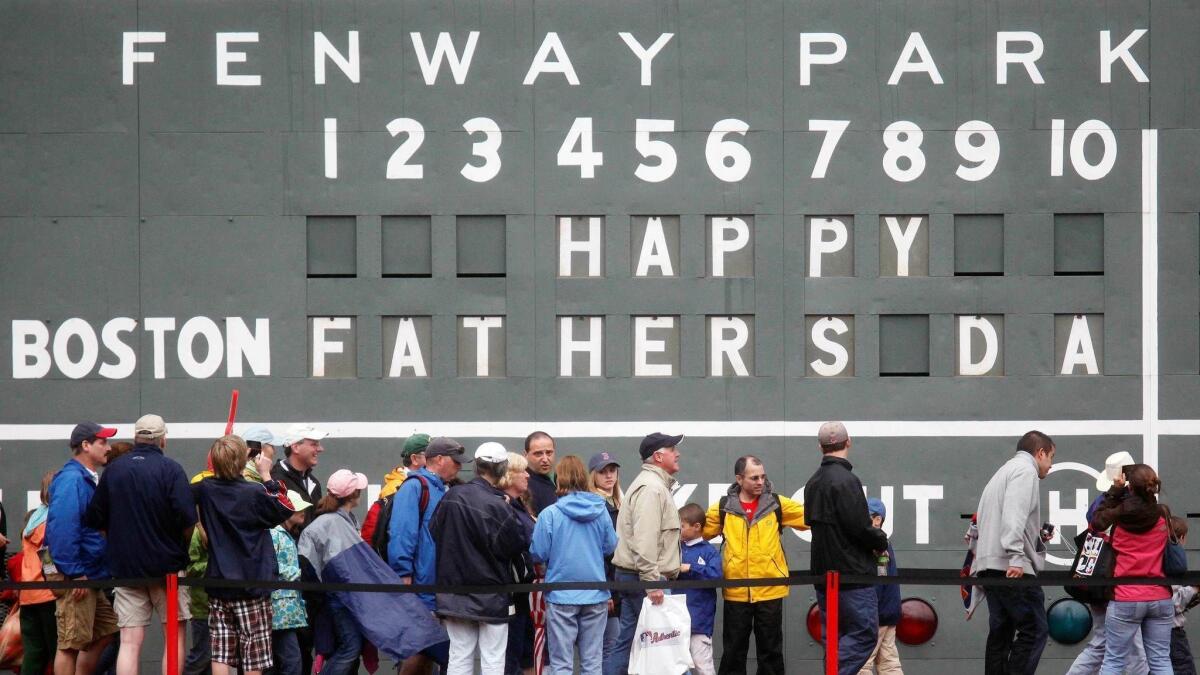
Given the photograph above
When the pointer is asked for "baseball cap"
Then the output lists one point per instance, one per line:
(832, 433)
(491, 452)
(345, 481)
(299, 432)
(657, 441)
(415, 444)
(85, 430)
(149, 427)
(1112, 469)
(262, 434)
(445, 446)
(600, 460)
(876, 508)
(299, 503)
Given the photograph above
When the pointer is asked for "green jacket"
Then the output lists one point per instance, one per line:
(197, 565)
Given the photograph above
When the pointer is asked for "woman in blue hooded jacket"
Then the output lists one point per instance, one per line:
(572, 536)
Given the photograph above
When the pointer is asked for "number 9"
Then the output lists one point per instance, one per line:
(985, 155)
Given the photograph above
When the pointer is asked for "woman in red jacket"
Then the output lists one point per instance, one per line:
(1139, 538)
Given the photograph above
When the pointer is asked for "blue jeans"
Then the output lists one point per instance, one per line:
(858, 626)
(199, 659)
(1017, 628)
(1089, 660)
(286, 647)
(568, 626)
(612, 631)
(631, 608)
(1154, 619)
(348, 640)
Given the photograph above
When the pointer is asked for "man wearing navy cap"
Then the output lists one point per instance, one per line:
(647, 536)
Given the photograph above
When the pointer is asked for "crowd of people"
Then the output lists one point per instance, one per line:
(258, 511)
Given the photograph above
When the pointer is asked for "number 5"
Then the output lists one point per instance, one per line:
(660, 149)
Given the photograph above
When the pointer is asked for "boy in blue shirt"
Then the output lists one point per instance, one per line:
(699, 560)
(885, 659)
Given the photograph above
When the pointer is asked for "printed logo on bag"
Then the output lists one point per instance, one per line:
(649, 638)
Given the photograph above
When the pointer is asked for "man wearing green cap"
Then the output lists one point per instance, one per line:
(412, 457)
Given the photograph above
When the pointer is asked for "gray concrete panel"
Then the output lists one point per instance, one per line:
(62, 67)
(212, 174)
(82, 174)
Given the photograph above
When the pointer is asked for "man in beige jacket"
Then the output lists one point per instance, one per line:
(647, 537)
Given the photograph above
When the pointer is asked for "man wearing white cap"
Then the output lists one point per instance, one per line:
(302, 448)
(477, 535)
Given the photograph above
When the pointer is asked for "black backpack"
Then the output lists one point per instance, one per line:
(380, 538)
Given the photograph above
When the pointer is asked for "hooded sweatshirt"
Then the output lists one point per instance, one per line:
(572, 536)
(888, 594)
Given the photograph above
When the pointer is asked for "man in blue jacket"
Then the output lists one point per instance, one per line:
(411, 551)
(145, 505)
(85, 620)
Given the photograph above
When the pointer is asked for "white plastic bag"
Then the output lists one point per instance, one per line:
(661, 642)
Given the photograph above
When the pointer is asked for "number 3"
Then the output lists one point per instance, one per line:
(488, 149)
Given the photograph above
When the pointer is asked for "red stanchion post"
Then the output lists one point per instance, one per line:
(172, 624)
(832, 585)
(233, 401)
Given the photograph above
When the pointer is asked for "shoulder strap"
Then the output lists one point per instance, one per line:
(721, 504)
(424, 500)
(779, 513)
(379, 537)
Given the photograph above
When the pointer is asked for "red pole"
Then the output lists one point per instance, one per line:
(832, 584)
(233, 398)
(172, 624)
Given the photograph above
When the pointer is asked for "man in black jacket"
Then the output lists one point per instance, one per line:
(539, 452)
(302, 449)
(844, 540)
(478, 535)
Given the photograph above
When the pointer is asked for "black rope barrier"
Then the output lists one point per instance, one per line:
(911, 576)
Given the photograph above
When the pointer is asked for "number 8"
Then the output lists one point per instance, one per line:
(903, 139)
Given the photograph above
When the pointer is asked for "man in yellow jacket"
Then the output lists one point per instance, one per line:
(751, 518)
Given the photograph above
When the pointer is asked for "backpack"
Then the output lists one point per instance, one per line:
(380, 538)
(725, 501)
(1094, 559)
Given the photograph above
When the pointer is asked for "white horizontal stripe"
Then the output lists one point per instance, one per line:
(637, 428)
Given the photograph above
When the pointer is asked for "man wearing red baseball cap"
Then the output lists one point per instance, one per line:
(85, 619)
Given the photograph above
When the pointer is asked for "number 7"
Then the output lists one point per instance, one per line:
(833, 133)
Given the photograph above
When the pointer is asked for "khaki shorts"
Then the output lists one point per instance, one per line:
(135, 606)
(82, 622)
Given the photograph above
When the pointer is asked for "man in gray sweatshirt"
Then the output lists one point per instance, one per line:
(1010, 545)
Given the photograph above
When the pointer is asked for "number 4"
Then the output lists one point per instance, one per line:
(833, 133)
(585, 158)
